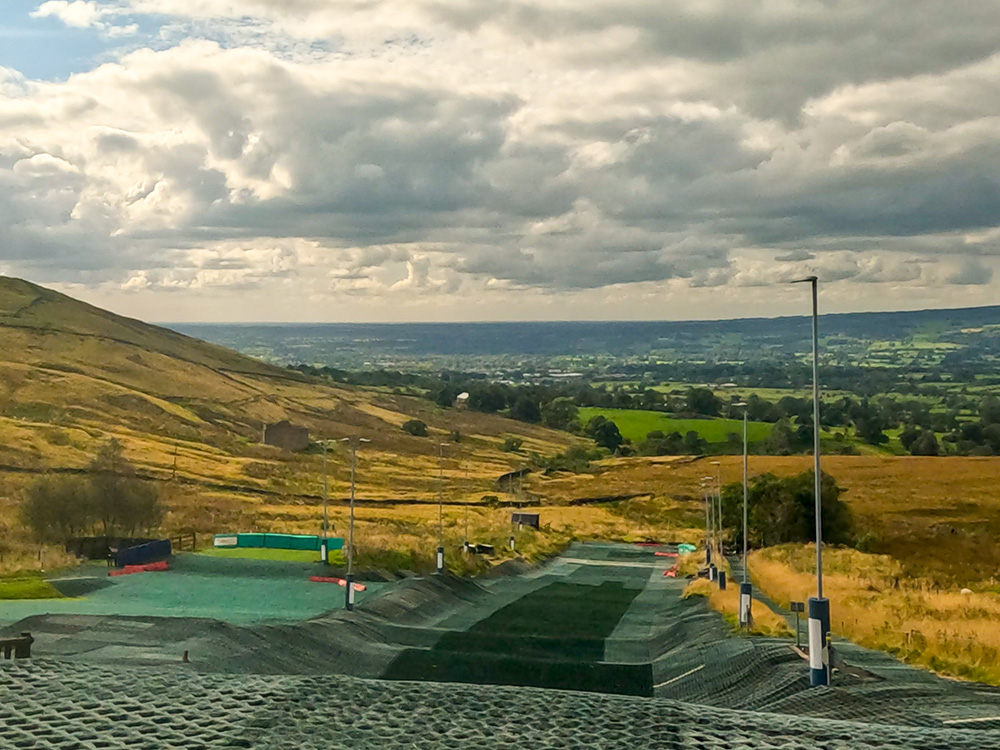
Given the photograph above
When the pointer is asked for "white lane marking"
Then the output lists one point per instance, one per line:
(971, 721)
(679, 677)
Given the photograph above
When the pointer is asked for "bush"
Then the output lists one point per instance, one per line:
(455, 436)
(415, 427)
(512, 444)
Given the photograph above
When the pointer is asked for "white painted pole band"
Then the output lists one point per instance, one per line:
(816, 644)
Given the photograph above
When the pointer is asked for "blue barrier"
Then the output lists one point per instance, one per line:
(141, 554)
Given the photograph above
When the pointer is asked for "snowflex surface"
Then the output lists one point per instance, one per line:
(442, 662)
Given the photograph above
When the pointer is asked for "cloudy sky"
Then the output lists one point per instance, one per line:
(355, 160)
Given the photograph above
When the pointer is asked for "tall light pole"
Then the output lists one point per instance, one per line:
(706, 487)
(349, 578)
(819, 607)
(708, 526)
(326, 513)
(746, 589)
(718, 500)
(440, 549)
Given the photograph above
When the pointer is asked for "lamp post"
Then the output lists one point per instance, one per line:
(324, 549)
(349, 578)
(706, 488)
(746, 588)
(440, 549)
(718, 500)
(819, 607)
(708, 527)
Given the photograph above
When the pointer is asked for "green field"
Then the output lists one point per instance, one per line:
(281, 555)
(635, 424)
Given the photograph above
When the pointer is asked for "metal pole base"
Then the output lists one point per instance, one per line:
(722, 580)
(819, 651)
(746, 601)
(324, 552)
(713, 572)
(708, 555)
(349, 596)
(440, 560)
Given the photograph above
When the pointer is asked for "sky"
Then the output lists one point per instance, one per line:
(404, 160)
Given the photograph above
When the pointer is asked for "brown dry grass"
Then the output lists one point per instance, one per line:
(765, 621)
(873, 603)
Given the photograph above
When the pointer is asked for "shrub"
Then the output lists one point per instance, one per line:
(415, 427)
(512, 444)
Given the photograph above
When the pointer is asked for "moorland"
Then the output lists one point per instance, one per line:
(189, 414)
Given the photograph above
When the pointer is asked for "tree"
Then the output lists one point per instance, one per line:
(925, 445)
(702, 401)
(415, 427)
(909, 436)
(782, 510)
(122, 504)
(604, 432)
(694, 443)
(526, 409)
(58, 508)
(487, 398)
(561, 414)
(870, 429)
(111, 500)
(989, 410)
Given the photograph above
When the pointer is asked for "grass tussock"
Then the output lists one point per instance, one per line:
(874, 605)
(765, 621)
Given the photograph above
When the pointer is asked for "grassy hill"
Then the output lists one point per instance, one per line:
(190, 416)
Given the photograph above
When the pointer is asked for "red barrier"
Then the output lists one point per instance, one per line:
(147, 568)
(338, 581)
(665, 554)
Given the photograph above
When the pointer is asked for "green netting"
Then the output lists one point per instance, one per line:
(552, 637)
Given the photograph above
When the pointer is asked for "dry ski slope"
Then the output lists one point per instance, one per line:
(595, 649)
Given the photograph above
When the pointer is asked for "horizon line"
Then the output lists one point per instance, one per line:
(555, 320)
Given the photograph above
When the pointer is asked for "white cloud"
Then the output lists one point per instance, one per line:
(79, 14)
(441, 148)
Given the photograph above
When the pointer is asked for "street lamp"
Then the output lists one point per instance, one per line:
(819, 607)
(440, 549)
(718, 500)
(746, 589)
(349, 578)
(713, 521)
(708, 526)
(326, 503)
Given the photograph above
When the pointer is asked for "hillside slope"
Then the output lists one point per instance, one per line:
(191, 413)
